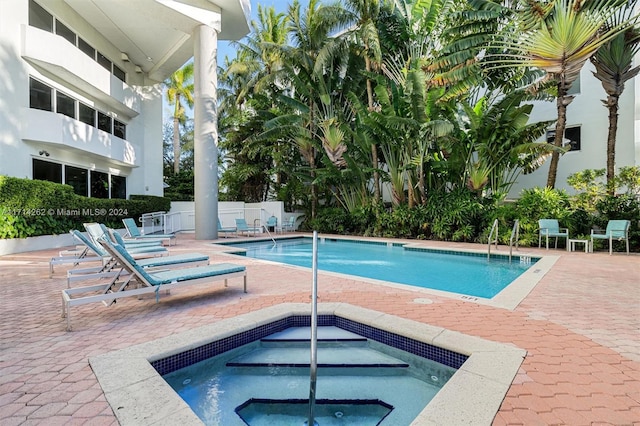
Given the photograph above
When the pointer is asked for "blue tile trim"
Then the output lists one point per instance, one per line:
(469, 254)
(192, 356)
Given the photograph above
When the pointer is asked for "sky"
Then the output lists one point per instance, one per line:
(280, 5)
(224, 47)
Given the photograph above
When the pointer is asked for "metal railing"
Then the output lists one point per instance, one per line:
(494, 227)
(153, 222)
(515, 236)
(313, 364)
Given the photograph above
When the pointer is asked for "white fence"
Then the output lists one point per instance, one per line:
(181, 217)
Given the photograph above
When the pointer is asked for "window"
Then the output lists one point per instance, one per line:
(119, 72)
(40, 95)
(104, 61)
(86, 114)
(99, 184)
(63, 31)
(77, 178)
(46, 170)
(40, 18)
(104, 122)
(118, 187)
(86, 48)
(65, 105)
(572, 138)
(575, 87)
(119, 129)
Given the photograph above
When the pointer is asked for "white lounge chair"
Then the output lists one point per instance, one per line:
(149, 282)
(111, 268)
(226, 230)
(139, 250)
(134, 232)
(241, 226)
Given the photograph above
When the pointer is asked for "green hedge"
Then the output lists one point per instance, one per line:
(462, 216)
(30, 208)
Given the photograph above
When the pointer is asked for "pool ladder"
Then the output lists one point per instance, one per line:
(513, 239)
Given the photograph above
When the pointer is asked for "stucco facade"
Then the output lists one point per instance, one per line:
(589, 118)
(80, 85)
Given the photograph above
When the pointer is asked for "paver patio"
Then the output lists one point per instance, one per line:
(580, 326)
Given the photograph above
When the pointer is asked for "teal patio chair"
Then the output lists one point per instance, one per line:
(272, 223)
(617, 230)
(225, 231)
(551, 228)
(290, 225)
(241, 226)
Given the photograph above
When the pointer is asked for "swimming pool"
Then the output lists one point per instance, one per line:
(470, 274)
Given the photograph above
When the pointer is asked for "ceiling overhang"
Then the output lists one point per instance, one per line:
(157, 35)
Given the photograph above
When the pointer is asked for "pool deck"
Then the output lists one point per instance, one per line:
(580, 326)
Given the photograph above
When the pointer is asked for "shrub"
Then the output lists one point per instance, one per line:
(33, 207)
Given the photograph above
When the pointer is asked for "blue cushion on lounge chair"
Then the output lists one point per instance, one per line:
(186, 274)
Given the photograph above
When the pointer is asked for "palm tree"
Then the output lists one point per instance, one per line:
(365, 15)
(559, 37)
(179, 87)
(613, 62)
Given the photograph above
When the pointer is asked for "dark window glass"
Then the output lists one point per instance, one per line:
(39, 95)
(104, 122)
(572, 138)
(87, 114)
(63, 31)
(40, 18)
(78, 179)
(45, 170)
(65, 105)
(575, 87)
(102, 60)
(119, 129)
(119, 73)
(99, 184)
(86, 48)
(118, 187)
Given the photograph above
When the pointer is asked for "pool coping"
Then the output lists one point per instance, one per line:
(138, 394)
(508, 298)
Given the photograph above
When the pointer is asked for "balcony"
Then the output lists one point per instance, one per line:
(61, 61)
(73, 135)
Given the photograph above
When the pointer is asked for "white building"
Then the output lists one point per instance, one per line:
(587, 130)
(80, 92)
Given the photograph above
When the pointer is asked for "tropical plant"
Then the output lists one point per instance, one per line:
(558, 37)
(613, 62)
(500, 142)
(179, 88)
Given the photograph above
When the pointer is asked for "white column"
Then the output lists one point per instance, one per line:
(205, 132)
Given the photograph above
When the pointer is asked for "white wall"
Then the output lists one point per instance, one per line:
(24, 132)
(588, 111)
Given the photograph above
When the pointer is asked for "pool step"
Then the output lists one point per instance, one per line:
(303, 334)
(336, 348)
(328, 356)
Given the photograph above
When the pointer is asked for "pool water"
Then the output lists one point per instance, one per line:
(470, 274)
(360, 381)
